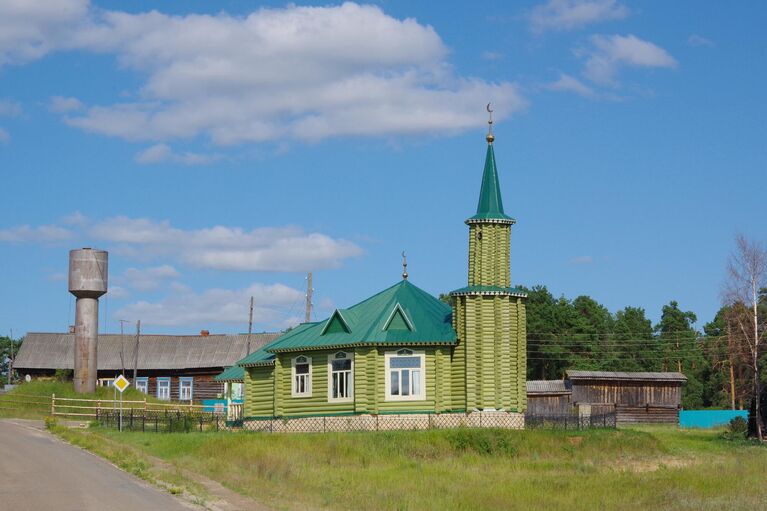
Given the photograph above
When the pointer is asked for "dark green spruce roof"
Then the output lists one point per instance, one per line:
(402, 314)
(490, 206)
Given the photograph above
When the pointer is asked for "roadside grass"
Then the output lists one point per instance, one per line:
(33, 400)
(462, 469)
(133, 461)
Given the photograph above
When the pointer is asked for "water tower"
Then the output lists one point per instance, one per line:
(87, 281)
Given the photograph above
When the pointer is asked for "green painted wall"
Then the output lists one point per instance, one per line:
(318, 401)
(258, 392)
(489, 254)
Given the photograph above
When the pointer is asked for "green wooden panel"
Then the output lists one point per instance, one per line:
(317, 403)
(259, 391)
(427, 404)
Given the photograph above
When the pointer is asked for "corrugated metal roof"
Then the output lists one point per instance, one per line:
(56, 350)
(548, 387)
(626, 376)
(367, 321)
(234, 373)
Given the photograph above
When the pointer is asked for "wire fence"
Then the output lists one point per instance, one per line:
(182, 421)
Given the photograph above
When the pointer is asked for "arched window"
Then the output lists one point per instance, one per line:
(302, 377)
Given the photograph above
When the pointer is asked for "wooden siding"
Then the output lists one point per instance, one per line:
(627, 392)
(489, 257)
(259, 391)
(427, 404)
(204, 385)
(317, 403)
(647, 414)
(492, 351)
(549, 404)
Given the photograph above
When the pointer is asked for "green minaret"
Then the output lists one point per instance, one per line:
(489, 314)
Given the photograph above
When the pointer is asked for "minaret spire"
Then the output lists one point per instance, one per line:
(404, 266)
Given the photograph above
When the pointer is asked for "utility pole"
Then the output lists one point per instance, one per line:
(122, 344)
(135, 353)
(250, 324)
(309, 292)
(10, 362)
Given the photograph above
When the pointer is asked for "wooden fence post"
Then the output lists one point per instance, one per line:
(53, 404)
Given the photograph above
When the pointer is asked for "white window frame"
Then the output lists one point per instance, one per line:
(237, 391)
(142, 384)
(308, 385)
(345, 356)
(163, 380)
(421, 396)
(181, 381)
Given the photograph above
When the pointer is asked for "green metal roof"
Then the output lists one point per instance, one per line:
(402, 314)
(234, 373)
(470, 290)
(490, 206)
(260, 357)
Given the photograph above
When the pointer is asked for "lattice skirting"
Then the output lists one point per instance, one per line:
(388, 422)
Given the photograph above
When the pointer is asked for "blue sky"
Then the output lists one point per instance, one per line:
(222, 154)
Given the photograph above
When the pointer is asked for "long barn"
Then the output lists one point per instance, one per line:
(635, 397)
(170, 367)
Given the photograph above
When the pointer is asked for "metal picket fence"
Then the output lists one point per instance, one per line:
(571, 421)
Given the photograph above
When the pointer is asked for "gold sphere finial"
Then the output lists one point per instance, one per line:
(489, 138)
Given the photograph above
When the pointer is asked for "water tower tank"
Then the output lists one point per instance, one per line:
(87, 281)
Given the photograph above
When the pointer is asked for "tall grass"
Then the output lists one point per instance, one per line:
(656, 468)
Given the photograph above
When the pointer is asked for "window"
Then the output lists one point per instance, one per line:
(185, 389)
(163, 389)
(405, 376)
(302, 377)
(237, 391)
(142, 384)
(340, 377)
(106, 382)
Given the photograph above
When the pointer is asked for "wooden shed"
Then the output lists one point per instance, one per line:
(549, 397)
(636, 397)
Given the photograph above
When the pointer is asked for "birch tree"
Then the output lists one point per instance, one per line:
(747, 276)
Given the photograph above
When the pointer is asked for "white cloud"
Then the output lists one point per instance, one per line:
(567, 83)
(227, 248)
(118, 292)
(492, 55)
(184, 307)
(60, 104)
(57, 277)
(148, 279)
(305, 73)
(607, 54)
(288, 249)
(31, 28)
(696, 40)
(5, 137)
(43, 233)
(9, 108)
(582, 260)
(572, 14)
(162, 153)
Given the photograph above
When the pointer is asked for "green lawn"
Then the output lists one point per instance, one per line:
(32, 400)
(628, 469)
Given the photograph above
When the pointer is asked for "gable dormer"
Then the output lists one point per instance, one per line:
(336, 324)
(398, 320)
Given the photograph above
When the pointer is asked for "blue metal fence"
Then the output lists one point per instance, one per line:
(709, 418)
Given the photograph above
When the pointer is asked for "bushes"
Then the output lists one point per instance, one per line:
(736, 429)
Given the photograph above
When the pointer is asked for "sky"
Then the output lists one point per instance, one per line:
(221, 150)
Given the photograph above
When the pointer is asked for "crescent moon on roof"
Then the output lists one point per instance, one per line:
(488, 108)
